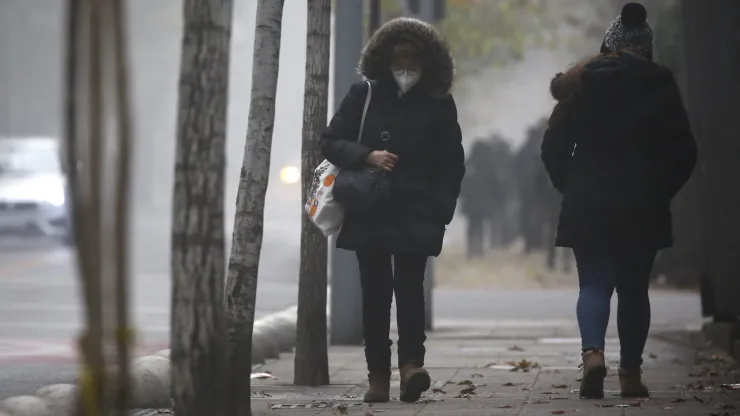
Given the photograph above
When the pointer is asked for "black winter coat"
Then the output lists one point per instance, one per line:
(620, 149)
(425, 134)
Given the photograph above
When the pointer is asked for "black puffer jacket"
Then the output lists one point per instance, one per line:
(424, 133)
(619, 148)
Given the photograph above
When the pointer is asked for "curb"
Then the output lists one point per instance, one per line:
(150, 375)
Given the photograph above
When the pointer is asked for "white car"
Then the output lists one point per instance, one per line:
(33, 187)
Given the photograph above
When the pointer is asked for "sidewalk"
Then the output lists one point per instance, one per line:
(472, 374)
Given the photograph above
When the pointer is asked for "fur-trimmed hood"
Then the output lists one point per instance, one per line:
(437, 62)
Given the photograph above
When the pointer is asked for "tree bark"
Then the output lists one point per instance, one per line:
(198, 250)
(311, 365)
(124, 336)
(241, 284)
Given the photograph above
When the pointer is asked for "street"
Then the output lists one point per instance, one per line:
(41, 313)
(41, 307)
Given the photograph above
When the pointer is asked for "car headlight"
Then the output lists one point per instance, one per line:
(52, 194)
(56, 198)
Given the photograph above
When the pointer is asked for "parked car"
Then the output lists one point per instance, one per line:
(33, 188)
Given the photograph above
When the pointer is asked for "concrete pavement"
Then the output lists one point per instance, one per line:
(40, 312)
(517, 370)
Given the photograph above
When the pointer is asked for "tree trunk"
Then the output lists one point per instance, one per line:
(311, 355)
(198, 251)
(241, 284)
(124, 336)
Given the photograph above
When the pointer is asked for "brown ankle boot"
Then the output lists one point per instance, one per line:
(631, 384)
(594, 372)
(379, 390)
(414, 381)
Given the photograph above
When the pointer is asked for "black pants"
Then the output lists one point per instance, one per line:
(379, 281)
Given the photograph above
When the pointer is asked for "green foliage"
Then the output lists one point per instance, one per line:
(493, 33)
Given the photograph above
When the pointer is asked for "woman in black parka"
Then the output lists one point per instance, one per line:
(619, 147)
(411, 132)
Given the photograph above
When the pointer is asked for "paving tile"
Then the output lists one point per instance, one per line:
(471, 375)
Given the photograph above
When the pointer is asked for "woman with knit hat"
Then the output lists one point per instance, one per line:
(618, 147)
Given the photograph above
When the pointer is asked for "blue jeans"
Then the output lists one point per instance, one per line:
(599, 273)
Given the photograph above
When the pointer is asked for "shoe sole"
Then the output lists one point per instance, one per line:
(592, 386)
(377, 399)
(635, 395)
(415, 386)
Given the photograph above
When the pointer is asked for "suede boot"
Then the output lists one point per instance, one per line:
(414, 381)
(631, 384)
(379, 390)
(594, 372)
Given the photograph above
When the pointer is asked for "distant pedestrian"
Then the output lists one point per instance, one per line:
(619, 147)
(412, 134)
(502, 186)
(532, 211)
(478, 195)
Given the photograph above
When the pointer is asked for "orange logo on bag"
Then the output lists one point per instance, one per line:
(329, 180)
(314, 207)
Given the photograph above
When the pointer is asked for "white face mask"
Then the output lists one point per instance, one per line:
(406, 79)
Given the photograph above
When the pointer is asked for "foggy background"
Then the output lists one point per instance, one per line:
(31, 85)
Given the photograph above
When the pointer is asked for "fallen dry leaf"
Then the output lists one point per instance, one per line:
(468, 391)
(477, 375)
(558, 412)
(679, 400)
(523, 365)
(697, 386)
(510, 384)
(698, 399)
(505, 406)
(653, 355)
(438, 390)
(465, 383)
(340, 409)
(516, 348)
(560, 386)
(605, 405)
(725, 407)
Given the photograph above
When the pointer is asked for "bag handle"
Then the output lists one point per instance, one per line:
(364, 110)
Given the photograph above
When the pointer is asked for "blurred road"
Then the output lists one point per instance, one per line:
(40, 311)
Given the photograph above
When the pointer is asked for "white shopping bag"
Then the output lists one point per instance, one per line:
(321, 208)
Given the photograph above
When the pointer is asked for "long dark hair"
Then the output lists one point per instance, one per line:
(565, 87)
